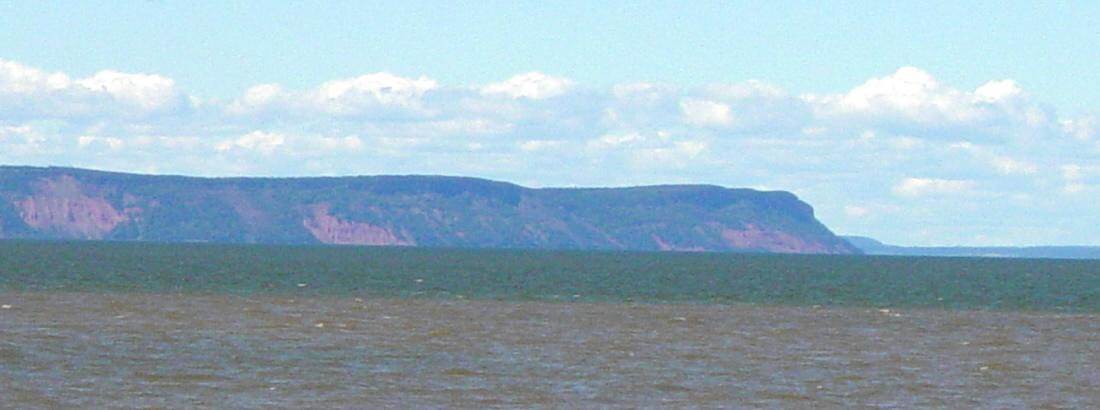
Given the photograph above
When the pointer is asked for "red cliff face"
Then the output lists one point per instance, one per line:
(331, 230)
(752, 237)
(432, 211)
(60, 205)
(665, 246)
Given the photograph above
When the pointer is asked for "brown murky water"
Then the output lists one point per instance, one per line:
(142, 350)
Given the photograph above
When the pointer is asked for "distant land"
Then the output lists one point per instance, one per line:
(430, 211)
(873, 247)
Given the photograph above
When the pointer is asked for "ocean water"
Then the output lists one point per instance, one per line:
(99, 325)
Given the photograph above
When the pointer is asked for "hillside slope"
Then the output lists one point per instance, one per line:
(66, 203)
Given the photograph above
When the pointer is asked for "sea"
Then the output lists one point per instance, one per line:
(136, 325)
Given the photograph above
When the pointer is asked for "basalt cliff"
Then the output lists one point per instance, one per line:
(66, 203)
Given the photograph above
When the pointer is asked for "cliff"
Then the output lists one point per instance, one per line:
(65, 203)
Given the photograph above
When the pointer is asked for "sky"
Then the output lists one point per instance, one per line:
(917, 123)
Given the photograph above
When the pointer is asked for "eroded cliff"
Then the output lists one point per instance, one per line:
(332, 230)
(69, 203)
(59, 204)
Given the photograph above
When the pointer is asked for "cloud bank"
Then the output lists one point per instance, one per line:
(901, 156)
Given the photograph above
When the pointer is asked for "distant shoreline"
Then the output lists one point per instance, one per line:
(873, 247)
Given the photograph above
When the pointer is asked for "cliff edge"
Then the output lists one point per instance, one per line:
(67, 203)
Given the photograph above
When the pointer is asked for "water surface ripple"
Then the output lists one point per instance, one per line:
(104, 350)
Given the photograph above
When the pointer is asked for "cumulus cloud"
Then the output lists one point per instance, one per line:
(874, 146)
(533, 85)
(145, 92)
(918, 187)
(908, 93)
(355, 95)
(30, 93)
(16, 78)
(260, 141)
(752, 107)
(377, 96)
(259, 97)
(706, 113)
(912, 101)
(109, 142)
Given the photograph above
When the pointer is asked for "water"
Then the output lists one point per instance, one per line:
(517, 275)
(139, 350)
(130, 325)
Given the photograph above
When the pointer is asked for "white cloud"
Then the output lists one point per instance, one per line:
(612, 141)
(918, 187)
(751, 107)
(533, 85)
(998, 92)
(832, 149)
(110, 142)
(705, 113)
(1078, 178)
(27, 92)
(1010, 166)
(146, 92)
(909, 92)
(641, 92)
(1003, 164)
(1084, 129)
(11, 131)
(678, 153)
(540, 145)
(347, 143)
(348, 96)
(748, 90)
(263, 94)
(369, 96)
(912, 101)
(643, 106)
(259, 97)
(465, 126)
(21, 140)
(260, 141)
(16, 78)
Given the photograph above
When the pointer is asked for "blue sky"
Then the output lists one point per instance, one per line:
(915, 123)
